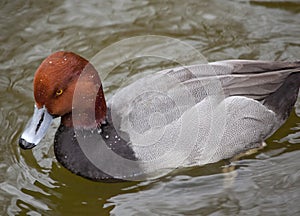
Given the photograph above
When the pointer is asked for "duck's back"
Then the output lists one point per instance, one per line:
(204, 113)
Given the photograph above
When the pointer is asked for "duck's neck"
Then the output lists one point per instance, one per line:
(87, 116)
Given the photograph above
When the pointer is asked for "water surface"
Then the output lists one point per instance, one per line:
(33, 183)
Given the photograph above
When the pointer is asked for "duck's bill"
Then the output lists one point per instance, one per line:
(36, 128)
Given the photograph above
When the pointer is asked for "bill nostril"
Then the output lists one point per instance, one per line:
(25, 145)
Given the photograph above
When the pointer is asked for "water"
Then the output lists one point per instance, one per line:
(33, 183)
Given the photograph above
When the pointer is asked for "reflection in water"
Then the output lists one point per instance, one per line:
(267, 183)
(248, 194)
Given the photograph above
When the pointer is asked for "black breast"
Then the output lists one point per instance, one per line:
(70, 154)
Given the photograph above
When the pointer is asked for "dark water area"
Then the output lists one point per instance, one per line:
(34, 183)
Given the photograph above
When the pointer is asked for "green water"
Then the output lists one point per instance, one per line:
(33, 183)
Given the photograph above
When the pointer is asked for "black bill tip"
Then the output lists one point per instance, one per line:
(25, 145)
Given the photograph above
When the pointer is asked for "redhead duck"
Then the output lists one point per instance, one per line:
(184, 116)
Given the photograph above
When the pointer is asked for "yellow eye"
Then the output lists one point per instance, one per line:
(59, 92)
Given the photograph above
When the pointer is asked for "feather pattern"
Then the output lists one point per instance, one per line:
(237, 92)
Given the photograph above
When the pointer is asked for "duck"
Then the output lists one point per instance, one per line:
(179, 117)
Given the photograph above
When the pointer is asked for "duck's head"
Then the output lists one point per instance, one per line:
(54, 84)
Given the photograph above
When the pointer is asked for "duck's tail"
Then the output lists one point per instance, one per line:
(283, 99)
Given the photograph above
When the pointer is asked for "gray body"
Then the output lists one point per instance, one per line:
(204, 113)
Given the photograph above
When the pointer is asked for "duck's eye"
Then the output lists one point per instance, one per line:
(59, 92)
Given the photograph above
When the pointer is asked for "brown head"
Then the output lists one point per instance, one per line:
(54, 84)
(55, 81)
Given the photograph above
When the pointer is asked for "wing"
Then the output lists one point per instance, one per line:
(236, 125)
(163, 97)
